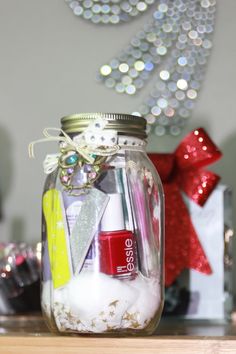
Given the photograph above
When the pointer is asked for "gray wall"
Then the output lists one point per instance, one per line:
(47, 65)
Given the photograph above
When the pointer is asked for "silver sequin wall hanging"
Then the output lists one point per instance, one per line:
(175, 43)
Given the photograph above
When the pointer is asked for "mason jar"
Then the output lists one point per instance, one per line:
(102, 228)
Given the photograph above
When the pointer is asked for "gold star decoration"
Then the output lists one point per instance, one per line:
(109, 328)
(70, 317)
(129, 316)
(93, 324)
(114, 303)
(135, 324)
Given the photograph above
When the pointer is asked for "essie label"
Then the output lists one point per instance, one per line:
(129, 252)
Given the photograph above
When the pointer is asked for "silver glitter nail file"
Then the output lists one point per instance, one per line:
(86, 225)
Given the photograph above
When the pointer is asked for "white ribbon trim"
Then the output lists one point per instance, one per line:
(94, 140)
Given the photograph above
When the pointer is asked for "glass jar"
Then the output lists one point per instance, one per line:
(102, 249)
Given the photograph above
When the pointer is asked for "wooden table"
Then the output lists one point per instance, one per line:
(29, 335)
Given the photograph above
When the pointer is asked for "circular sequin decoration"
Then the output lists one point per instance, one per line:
(108, 11)
(178, 41)
(176, 44)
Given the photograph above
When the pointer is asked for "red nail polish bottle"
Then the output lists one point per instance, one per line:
(118, 255)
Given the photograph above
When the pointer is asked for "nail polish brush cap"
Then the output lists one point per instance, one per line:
(113, 217)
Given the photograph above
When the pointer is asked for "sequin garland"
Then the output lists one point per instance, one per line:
(176, 43)
(108, 11)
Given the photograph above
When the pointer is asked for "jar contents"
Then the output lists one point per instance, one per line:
(117, 245)
(102, 229)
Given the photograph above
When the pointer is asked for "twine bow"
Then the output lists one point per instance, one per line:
(81, 144)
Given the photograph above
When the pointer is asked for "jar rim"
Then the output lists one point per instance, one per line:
(124, 124)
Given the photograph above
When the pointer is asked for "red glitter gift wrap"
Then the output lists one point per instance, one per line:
(182, 171)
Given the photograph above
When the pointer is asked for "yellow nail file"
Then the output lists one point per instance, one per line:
(57, 234)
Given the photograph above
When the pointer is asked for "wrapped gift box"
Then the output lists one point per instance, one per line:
(195, 295)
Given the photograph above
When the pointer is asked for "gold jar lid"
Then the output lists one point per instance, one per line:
(124, 124)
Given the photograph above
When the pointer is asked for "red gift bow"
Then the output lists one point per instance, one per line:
(182, 171)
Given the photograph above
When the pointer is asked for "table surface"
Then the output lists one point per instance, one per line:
(28, 334)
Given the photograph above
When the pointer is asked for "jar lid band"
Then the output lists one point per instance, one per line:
(124, 124)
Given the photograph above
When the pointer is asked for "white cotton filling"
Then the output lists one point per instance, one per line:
(96, 302)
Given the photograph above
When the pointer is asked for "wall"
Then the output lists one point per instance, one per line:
(48, 62)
